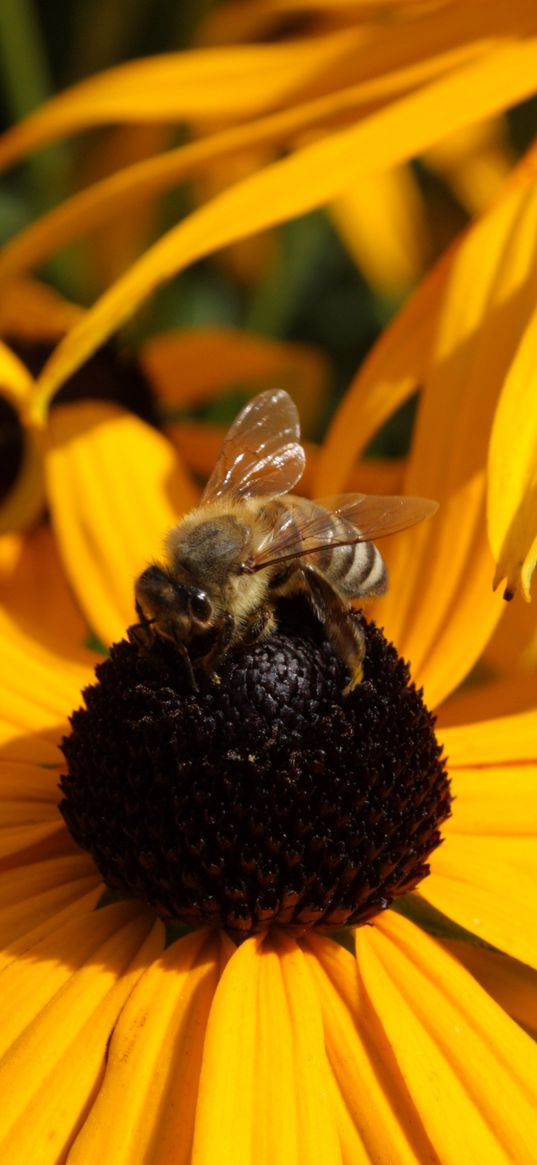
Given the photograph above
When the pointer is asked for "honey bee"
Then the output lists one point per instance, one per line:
(251, 542)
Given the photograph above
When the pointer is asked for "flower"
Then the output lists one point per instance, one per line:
(283, 1047)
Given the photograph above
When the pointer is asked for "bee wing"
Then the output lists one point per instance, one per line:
(261, 454)
(306, 528)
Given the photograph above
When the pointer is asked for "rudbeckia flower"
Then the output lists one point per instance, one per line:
(226, 1044)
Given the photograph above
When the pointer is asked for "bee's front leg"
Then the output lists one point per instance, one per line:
(261, 625)
(140, 633)
(220, 645)
(342, 630)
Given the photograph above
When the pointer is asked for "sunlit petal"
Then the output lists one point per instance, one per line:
(377, 1121)
(63, 997)
(383, 221)
(265, 1078)
(147, 1102)
(512, 496)
(443, 625)
(512, 984)
(311, 177)
(469, 1069)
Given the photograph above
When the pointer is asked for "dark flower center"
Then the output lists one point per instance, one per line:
(267, 798)
(11, 447)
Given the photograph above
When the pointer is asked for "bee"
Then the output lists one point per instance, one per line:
(252, 542)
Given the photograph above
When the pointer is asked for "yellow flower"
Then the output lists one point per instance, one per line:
(284, 1048)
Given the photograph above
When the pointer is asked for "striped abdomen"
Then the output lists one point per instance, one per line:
(352, 568)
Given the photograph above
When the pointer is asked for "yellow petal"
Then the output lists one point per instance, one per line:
(28, 810)
(34, 893)
(495, 800)
(204, 84)
(311, 177)
(512, 495)
(382, 221)
(115, 195)
(146, 1104)
(469, 1070)
(37, 604)
(37, 691)
(487, 885)
(440, 610)
(376, 1121)
(133, 185)
(264, 1090)
(75, 910)
(512, 984)
(507, 739)
(115, 488)
(393, 370)
(475, 163)
(514, 643)
(61, 1003)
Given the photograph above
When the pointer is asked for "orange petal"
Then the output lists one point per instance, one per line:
(33, 311)
(264, 1088)
(197, 364)
(376, 1120)
(146, 1105)
(115, 488)
(469, 1070)
(311, 177)
(60, 1003)
(512, 984)
(512, 493)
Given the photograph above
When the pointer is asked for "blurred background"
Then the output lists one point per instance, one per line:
(329, 280)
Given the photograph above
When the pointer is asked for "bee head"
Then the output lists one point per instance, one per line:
(170, 608)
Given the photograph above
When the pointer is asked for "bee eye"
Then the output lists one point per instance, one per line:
(200, 606)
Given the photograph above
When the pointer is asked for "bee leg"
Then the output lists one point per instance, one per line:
(260, 626)
(140, 633)
(342, 630)
(219, 647)
(183, 652)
